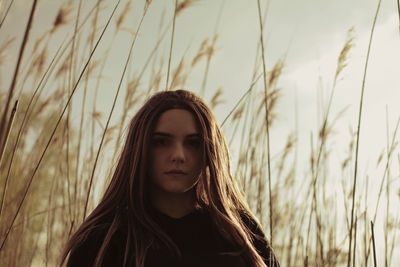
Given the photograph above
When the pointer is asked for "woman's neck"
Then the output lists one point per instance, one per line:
(175, 205)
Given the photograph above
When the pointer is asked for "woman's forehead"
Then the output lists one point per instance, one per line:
(177, 122)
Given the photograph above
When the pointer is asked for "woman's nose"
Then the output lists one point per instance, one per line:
(178, 153)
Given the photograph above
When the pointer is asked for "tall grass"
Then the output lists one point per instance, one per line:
(358, 133)
(3, 121)
(59, 152)
(267, 117)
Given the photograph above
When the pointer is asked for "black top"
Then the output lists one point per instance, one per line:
(195, 235)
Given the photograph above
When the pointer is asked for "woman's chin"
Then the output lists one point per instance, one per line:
(173, 188)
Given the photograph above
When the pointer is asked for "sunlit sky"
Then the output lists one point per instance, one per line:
(309, 34)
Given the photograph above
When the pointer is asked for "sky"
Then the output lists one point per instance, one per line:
(309, 35)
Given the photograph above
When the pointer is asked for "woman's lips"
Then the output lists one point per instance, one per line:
(175, 172)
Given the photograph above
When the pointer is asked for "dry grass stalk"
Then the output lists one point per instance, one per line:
(260, 186)
(373, 243)
(358, 131)
(171, 44)
(266, 121)
(386, 223)
(15, 76)
(390, 150)
(398, 9)
(71, 80)
(355, 243)
(2, 148)
(6, 12)
(91, 68)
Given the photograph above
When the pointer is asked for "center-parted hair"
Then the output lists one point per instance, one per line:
(127, 198)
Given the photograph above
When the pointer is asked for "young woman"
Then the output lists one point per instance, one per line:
(172, 200)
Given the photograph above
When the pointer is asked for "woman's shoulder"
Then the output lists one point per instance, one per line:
(86, 251)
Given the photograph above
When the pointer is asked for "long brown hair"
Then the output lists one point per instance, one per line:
(128, 191)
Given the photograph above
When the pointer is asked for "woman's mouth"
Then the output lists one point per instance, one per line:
(175, 172)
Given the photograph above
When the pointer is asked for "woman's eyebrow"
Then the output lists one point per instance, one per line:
(162, 134)
(194, 135)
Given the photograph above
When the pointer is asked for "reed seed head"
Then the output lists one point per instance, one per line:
(344, 54)
(123, 15)
(238, 112)
(216, 99)
(62, 17)
(184, 5)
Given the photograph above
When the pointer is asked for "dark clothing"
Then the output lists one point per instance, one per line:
(195, 235)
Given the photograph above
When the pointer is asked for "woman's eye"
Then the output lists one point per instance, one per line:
(194, 143)
(159, 142)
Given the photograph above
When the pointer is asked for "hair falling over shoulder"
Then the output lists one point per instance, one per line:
(126, 200)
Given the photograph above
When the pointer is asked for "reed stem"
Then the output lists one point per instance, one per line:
(10, 122)
(373, 242)
(358, 134)
(266, 121)
(171, 45)
(15, 76)
(6, 13)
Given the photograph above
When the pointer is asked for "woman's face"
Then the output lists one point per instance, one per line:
(175, 152)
